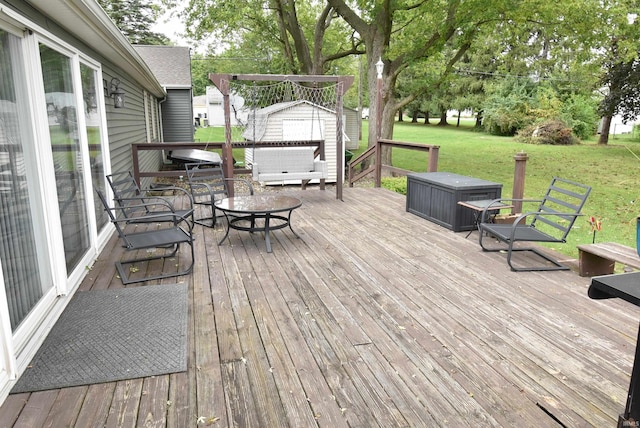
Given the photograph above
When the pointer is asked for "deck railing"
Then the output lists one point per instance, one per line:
(372, 160)
(138, 147)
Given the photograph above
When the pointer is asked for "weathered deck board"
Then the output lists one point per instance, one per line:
(373, 317)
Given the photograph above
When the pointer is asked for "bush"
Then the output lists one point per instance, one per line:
(507, 107)
(397, 184)
(581, 114)
(553, 132)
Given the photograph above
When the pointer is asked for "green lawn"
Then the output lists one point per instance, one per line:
(611, 170)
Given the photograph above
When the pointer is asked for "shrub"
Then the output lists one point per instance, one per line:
(581, 114)
(553, 132)
(397, 184)
(508, 107)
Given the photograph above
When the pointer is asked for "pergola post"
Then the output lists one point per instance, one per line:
(222, 84)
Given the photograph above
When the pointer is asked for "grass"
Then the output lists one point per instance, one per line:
(611, 170)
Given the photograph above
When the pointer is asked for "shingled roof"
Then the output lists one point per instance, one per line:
(170, 64)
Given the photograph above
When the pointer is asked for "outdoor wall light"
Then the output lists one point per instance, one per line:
(380, 68)
(116, 93)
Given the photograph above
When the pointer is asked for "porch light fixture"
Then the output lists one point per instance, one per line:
(116, 93)
(379, 68)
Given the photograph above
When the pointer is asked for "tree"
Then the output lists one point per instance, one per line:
(306, 37)
(622, 80)
(134, 19)
(408, 33)
(621, 77)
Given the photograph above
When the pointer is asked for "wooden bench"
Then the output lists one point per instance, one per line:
(600, 259)
(287, 164)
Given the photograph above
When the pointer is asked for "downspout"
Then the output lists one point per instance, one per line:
(164, 155)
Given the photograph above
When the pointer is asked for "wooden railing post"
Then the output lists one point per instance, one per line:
(433, 159)
(518, 181)
(378, 172)
(136, 163)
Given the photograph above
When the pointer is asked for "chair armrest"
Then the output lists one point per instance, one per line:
(503, 200)
(242, 180)
(146, 204)
(178, 218)
(321, 165)
(168, 188)
(198, 186)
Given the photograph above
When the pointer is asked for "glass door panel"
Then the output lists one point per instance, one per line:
(24, 279)
(62, 113)
(94, 137)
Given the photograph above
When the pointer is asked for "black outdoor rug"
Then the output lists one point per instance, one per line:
(110, 335)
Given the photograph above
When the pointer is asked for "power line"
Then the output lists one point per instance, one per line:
(517, 76)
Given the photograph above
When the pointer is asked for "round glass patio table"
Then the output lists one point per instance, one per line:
(272, 211)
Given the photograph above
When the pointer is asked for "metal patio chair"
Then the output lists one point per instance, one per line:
(208, 184)
(165, 238)
(551, 222)
(137, 204)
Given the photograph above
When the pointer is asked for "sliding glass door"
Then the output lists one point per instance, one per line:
(26, 278)
(64, 135)
(93, 129)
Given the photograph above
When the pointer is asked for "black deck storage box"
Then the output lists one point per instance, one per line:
(435, 196)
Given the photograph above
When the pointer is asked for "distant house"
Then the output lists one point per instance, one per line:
(618, 127)
(172, 67)
(215, 108)
(200, 110)
(352, 128)
(64, 70)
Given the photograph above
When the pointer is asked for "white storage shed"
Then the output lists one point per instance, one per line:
(295, 121)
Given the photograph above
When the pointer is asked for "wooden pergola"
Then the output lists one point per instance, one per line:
(343, 84)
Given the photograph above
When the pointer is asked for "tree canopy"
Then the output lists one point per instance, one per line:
(437, 54)
(134, 18)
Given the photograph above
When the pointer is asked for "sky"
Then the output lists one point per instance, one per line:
(170, 27)
(174, 29)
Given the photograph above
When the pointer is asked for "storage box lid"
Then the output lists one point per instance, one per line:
(453, 181)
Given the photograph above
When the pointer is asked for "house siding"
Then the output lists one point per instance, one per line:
(126, 126)
(177, 116)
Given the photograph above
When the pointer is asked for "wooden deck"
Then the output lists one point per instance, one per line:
(374, 317)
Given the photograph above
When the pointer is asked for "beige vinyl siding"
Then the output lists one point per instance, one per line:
(177, 116)
(305, 112)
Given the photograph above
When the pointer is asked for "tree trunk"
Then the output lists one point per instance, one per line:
(414, 117)
(604, 132)
(426, 117)
(479, 119)
(443, 118)
(385, 104)
(400, 117)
